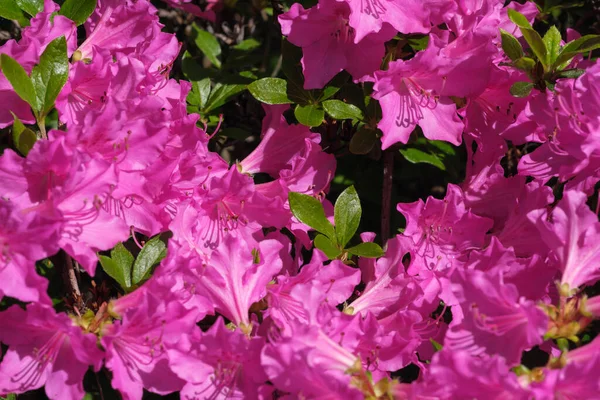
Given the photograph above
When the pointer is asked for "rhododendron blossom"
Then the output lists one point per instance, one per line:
(332, 199)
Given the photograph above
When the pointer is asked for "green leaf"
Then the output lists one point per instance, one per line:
(309, 211)
(347, 212)
(20, 81)
(363, 141)
(327, 246)
(571, 73)
(208, 44)
(118, 265)
(525, 64)
(417, 156)
(537, 45)
(198, 96)
(221, 94)
(247, 45)
(582, 45)
(518, 19)
(310, 115)
(153, 251)
(418, 42)
(333, 86)
(51, 74)
(10, 10)
(521, 89)
(31, 7)
(511, 45)
(339, 110)
(10, 396)
(552, 40)
(270, 91)
(367, 250)
(23, 137)
(78, 11)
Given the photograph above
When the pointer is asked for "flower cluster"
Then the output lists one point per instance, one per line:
(247, 303)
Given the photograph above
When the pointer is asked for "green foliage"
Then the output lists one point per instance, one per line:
(339, 110)
(270, 91)
(333, 240)
(208, 44)
(78, 11)
(31, 7)
(310, 115)
(9, 9)
(50, 75)
(151, 254)
(23, 137)
(118, 266)
(20, 81)
(547, 61)
(434, 152)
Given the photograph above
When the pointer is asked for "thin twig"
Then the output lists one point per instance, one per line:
(386, 197)
(70, 279)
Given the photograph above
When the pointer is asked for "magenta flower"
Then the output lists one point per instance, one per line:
(136, 345)
(24, 239)
(237, 275)
(45, 349)
(410, 94)
(219, 363)
(329, 43)
(571, 231)
(371, 16)
(497, 321)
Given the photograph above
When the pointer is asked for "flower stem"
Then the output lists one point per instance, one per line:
(388, 170)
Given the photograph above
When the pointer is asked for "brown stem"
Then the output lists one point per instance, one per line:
(71, 283)
(42, 125)
(386, 198)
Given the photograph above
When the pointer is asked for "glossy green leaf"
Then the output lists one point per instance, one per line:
(525, 64)
(208, 44)
(198, 96)
(571, 73)
(270, 91)
(78, 11)
(20, 81)
(552, 40)
(367, 250)
(518, 19)
(327, 246)
(118, 265)
(221, 94)
(310, 115)
(582, 45)
(10, 10)
(417, 156)
(23, 137)
(51, 74)
(339, 110)
(511, 45)
(347, 213)
(31, 7)
(362, 141)
(521, 89)
(309, 211)
(151, 254)
(537, 45)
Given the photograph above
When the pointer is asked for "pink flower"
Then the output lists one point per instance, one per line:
(371, 16)
(45, 349)
(496, 319)
(329, 43)
(571, 231)
(443, 229)
(24, 239)
(392, 289)
(219, 363)
(237, 274)
(458, 375)
(409, 94)
(136, 345)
